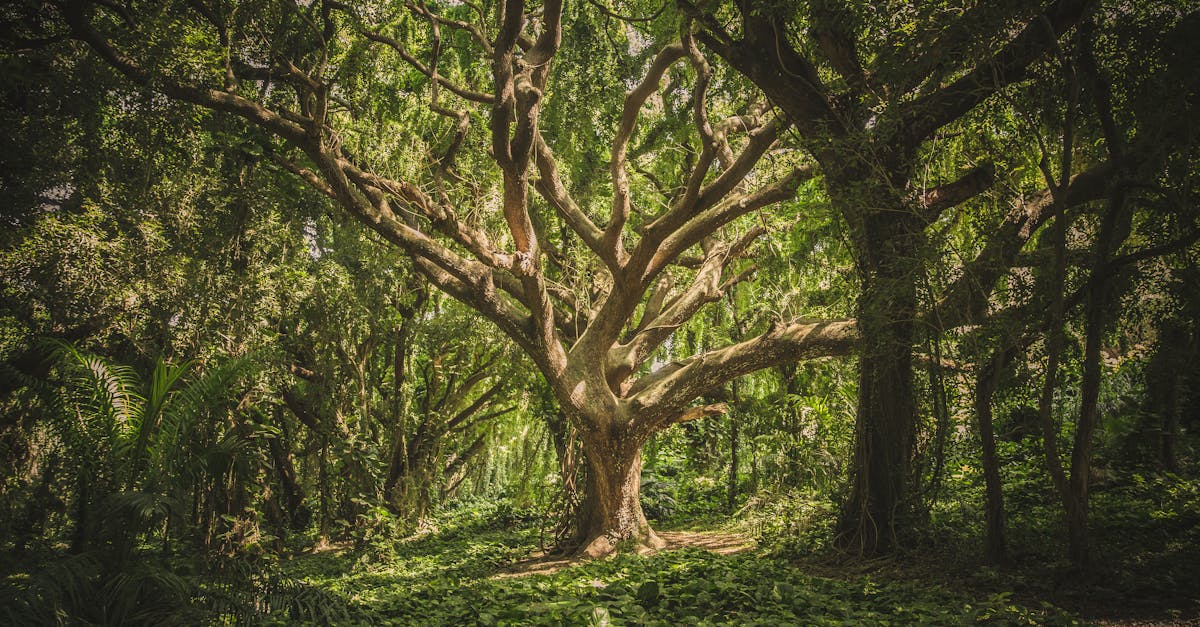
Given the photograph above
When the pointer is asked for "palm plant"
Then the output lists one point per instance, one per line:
(142, 447)
(142, 443)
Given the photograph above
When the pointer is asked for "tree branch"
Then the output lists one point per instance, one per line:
(935, 201)
(665, 393)
(466, 94)
(929, 113)
(629, 115)
(965, 301)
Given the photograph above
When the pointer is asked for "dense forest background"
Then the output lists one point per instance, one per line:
(329, 312)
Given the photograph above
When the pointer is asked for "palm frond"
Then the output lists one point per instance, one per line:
(144, 594)
(104, 395)
(142, 506)
(160, 390)
(200, 398)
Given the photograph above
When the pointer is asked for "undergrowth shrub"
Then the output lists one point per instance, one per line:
(792, 522)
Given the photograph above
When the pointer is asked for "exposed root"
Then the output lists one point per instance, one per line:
(606, 544)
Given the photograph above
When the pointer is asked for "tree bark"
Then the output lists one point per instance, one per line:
(1164, 387)
(611, 511)
(886, 419)
(941, 430)
(298, 513)
(565, 439)
(883, 444)
(1115, 227)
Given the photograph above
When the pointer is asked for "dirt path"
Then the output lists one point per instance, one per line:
(715, 541)
(540, 563)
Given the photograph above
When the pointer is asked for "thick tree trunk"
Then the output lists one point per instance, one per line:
(878, 507)
(411, 493)
(611, 511)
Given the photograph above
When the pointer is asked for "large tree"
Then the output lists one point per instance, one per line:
(873, 90)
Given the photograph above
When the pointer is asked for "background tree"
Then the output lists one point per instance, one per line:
(872, 100)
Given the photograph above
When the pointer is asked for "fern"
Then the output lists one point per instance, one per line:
(240, 592)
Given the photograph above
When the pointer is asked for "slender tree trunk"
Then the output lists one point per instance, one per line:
(1114, 229)
(1054, 344)
(323, 490)
(398, 463)
(986, 382)
(1074, 510)
(733, 461)
(792, 426)
(1081, 454)
(298, 514)
(1168, 460)
(1164, 386)
(611, 511)
(941, 412)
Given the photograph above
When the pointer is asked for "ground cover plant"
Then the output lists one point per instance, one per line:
(463, 574)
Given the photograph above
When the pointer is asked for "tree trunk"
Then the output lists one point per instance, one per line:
(986, 383)
(298, 513)
(324, 492)
(1081, 454)
(941, 413)
(1164, 386)
(1115, 227)
(1168, 460)
(611, 511)
(733, 461)
(878, 506)
(566, 444)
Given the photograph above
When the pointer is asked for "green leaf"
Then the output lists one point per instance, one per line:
(648, 593)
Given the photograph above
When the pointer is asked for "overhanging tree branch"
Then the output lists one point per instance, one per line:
(921, 117)
(665, 393)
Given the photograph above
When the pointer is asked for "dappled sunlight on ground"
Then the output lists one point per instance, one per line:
(718, 542)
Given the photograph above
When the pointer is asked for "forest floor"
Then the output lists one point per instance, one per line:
(488, 564)
(486, 569)
(543, 562)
